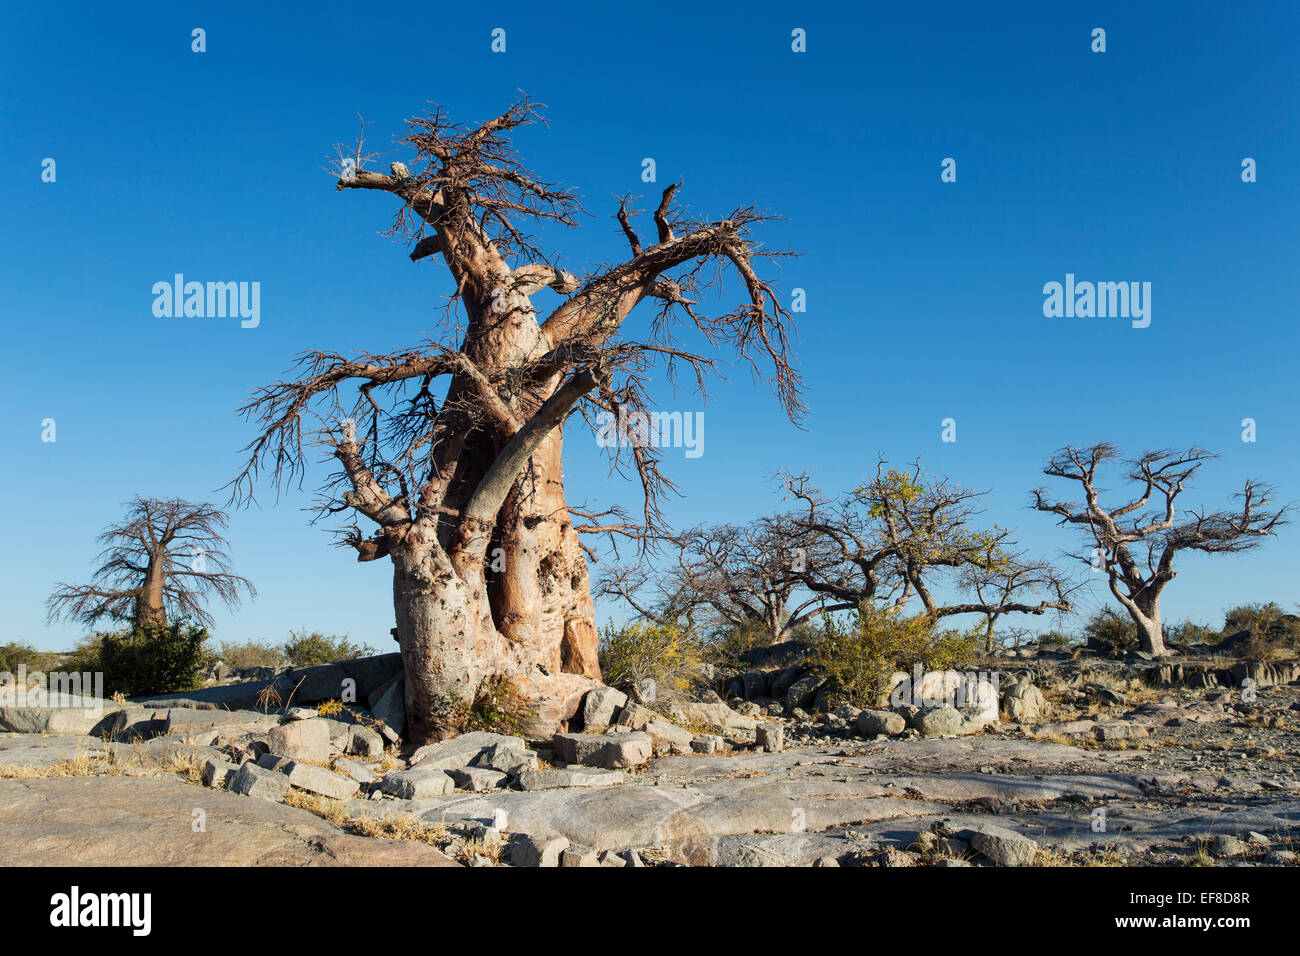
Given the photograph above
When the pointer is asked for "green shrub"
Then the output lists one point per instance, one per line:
(635, 652)
(1111, 630)
(1272, 631)
(1056, 639)
(860, 653)
(1189, 632)
(21, 654)
(149, 659)
(500, 708)
(307, 650)
(251, 654)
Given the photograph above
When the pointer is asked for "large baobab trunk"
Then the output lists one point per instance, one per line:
(524, 614)
(468, 491)
(539, 591)
(149, 604)
(522, 610)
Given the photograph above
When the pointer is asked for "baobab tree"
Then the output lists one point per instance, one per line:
(163, 560)
(1153, 530)
(904, 535)
(460, 482)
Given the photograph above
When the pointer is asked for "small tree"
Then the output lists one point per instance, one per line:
(149, 658)
(859, 655)
(307, 650)
(903, 535)
(164, 559)
(1137, 580)
(1270, 630)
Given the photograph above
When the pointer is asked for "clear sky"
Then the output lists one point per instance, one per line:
(924, 298)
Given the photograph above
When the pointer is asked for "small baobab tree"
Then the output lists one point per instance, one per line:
(163, 560)
(902, 535)
(1148, 524)
(451, 452)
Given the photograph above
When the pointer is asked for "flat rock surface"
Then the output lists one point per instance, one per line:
(757, 809)
(1206, 765)
(145, 821)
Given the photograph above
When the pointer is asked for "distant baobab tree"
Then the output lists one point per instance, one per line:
(1138, 581)
(451, 451)
(164, 559)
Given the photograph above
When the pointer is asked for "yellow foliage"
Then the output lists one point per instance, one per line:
(859, 655)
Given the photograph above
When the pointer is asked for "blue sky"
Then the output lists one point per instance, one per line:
(924, 298)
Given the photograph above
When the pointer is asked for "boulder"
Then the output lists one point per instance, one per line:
(307, 740)
(715, 715)
(803, 691)
(600, 705)
(254, 781)
(324, 782)
(478, 779)
(974, 694)
(873, 722)
(389, 709)
(355, 769)
(782, 682)
(526, 850)
(634, 716)
(707, 744)
(575, 855)
(610, 751)
(463, 750)
(566, 777)
(978, 699)
(270, 761)
(669, 738)
(1226, 845)
(507, 759)
(1004, 847)
(942, 721)
(770, 738)
(417, 782)
(217, 773)
(1112, 730)
(364, 741)
(1024, 702)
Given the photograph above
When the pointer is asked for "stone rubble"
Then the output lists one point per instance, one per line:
(1001, 775)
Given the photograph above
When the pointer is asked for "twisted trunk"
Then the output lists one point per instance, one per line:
(518, 608)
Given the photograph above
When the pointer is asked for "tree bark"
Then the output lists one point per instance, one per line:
(149, 608)
(520, 605)
(1145, 612)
